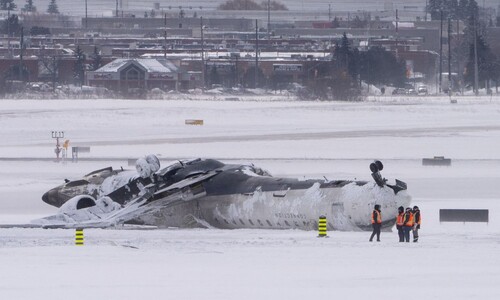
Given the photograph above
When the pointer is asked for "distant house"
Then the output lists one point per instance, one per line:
(135, 76)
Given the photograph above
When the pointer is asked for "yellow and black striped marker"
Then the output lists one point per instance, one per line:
(79, 237)
(322, 227)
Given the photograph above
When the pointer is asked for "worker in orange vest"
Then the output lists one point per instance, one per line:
(407, 223)
(376, 222)
(417, 219)
(399, 223)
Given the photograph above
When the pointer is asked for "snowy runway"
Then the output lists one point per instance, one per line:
(195, 264)
(293, 139)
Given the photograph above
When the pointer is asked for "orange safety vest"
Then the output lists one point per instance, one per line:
(376, 217)
(399, 219)
(408, 219)
(419, 221)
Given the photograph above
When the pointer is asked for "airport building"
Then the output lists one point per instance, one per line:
(132, 76)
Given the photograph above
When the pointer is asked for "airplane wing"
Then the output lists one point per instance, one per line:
(108, 213)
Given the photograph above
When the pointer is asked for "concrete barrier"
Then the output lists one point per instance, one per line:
(436, 161)
(463, 215)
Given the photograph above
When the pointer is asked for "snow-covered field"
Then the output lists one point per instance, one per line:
(311, 139)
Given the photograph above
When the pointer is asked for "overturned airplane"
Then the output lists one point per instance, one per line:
(208, 193)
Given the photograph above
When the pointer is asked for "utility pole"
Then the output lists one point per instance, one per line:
(21, 43)
(165, 36)
(476, 68)
(117, 8)
(441, 51)
(458, 56)
(256, 53)
(268, 21)
(202, 57)
(449, 57)
(86, 15)
(8, 30)
(329, 12)
(425, 17)
(397, 19)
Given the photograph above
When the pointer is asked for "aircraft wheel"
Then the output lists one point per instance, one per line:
(143, 168)
(154, 162)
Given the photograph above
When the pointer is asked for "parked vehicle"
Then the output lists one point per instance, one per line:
(422, 90)
(411, 91)
(399, 91)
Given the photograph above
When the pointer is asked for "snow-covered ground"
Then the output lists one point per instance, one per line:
(312, 139)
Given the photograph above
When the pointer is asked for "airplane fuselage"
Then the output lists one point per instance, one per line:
(241, 196)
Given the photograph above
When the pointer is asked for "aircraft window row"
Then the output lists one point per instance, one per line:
(260, 223)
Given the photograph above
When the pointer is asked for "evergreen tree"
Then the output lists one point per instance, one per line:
(486, 61)
(29, 7)
(335, 23)
(214, 76)
(79, 67)
(434, 8)
(53, 8)
(342, 50)
(7, 5)
(354, 64)
(11, 26)
(358, 23)
(379, 66)
(472, 10)
(462, 13)
(240, 5)
(96, 59)
(452, 8)
(273, 5)
(344, 78)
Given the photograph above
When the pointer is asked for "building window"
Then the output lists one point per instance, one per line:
(132, 72)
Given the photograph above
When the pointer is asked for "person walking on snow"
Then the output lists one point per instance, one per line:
(399, 223)
(376, 222)
(407, 224)
(417, 219)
